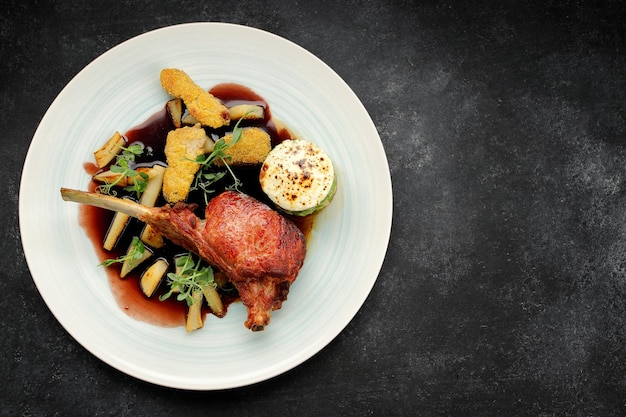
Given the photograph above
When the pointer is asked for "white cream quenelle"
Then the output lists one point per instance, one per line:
(298, 177)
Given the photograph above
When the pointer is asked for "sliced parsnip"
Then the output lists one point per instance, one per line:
(109, 150)
(153, 187)
(189, 120)
(240, 111)
(175, 110)
(116, 228)
(246, 111)
(209, 146)
(151, 237)
(109, 177)
(214, 300)
(148, 198)
(194, 314)
(151, 194)
(152, 277)
(130, 264)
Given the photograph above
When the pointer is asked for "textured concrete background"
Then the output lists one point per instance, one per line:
(504, 287)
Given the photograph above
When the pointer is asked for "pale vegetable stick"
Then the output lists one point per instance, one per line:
(214, 300)
(108, 177)
(109, 150)
(153, 188)
(130, 264)
(194, 314)
(246, 111)
(175, 110)
(149, 198)
(189, 120)
(209, 146)
(151, 237)
(152, 277)
(254, 112)
(118, 224)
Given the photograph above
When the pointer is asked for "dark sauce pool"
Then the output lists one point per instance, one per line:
(152, 133)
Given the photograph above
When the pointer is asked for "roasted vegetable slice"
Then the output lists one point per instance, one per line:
(214, 300)
(109, 150)
(194, 314)
(175, 111)
(116, 228)
(151, 237)
(189, 120)
(110, 177)
(148, 199)
(134, 258)
(246, 112)
(153, 188)
(153, 276)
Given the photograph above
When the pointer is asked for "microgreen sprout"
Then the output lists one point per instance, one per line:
(134, 254)
(204, 178)
(191, 278)
(204, 181)
(123, 167)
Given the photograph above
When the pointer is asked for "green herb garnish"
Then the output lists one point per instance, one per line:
(205, 178)
(123, 167)
(204, 181)
(191, 278)
(134, 254)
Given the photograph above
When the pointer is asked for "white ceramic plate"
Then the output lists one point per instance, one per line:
(119, 90)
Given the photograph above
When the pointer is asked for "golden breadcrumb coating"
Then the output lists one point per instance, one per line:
(202, 105)
(182, 146)
(251, 149)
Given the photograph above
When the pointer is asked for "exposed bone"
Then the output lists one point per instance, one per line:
(106, 202)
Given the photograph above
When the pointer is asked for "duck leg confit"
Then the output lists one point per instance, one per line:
(259, 250)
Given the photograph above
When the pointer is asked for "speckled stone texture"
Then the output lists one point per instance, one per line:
(504, 287)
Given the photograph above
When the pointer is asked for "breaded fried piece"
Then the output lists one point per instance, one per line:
(202, 105)
(182, 146)
(252, 148)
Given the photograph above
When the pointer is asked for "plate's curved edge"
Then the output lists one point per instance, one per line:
(180, 384)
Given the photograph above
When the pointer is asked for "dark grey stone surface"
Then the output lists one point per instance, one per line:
(504, 287)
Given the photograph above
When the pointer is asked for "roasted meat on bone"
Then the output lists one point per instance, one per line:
(259, 250)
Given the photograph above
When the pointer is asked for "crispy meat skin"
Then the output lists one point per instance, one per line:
(261, 252)
(258, 249)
